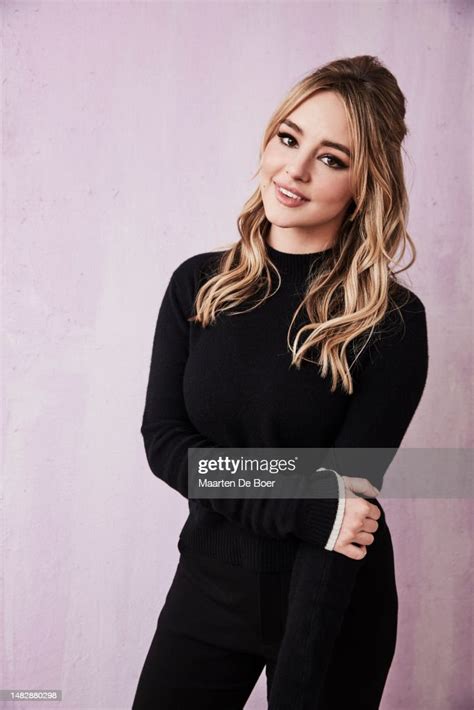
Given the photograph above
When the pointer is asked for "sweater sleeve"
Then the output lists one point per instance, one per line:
(168, 433)
(339, 514)
(385, 397)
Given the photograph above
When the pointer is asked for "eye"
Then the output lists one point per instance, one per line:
(336, 163)
(281, 136)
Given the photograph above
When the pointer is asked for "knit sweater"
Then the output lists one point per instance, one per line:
(230, 384)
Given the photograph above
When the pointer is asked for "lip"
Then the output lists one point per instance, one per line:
(288, 201)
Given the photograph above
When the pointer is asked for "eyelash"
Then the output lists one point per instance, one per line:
(341, 165)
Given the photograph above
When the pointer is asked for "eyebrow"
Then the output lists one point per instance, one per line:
(328, 143)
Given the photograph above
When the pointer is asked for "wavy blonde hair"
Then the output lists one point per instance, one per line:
(352, 291)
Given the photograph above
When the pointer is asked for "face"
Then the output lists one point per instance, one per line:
(296, 159)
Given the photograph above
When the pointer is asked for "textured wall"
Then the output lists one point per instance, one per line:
(130, 134)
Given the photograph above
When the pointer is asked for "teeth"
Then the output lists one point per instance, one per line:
(289, 194)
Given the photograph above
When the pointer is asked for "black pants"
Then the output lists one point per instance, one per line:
(221, 625)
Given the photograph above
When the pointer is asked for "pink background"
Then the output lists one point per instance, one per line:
(130, 134)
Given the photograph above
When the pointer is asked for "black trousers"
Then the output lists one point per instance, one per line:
(221, 625)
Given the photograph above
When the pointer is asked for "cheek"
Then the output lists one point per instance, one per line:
(333, 187)
(271, 161)
(267, 174)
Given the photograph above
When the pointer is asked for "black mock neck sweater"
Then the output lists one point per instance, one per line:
(231, 385)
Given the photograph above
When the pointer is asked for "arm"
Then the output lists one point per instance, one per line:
(386, 397)
(168, 433)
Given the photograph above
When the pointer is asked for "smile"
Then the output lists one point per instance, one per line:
(288, 198)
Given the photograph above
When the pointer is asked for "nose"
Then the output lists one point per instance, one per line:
(298, 170)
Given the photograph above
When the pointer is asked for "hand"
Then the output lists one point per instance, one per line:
(360, 518)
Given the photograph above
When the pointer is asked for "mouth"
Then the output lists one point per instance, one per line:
(289, 198)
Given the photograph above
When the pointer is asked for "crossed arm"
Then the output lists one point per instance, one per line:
(387, 395)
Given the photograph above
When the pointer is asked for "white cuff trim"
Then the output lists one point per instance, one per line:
(340, 511)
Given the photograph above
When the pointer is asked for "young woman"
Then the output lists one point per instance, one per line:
(298, 335)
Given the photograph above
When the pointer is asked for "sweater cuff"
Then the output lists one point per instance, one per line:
(339, 515)
(315, 517)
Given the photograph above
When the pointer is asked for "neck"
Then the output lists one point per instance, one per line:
(295, 265)
(298, 245)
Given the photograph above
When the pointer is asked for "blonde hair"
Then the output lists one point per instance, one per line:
(352, 290)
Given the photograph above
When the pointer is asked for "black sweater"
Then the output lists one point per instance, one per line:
(230, 385)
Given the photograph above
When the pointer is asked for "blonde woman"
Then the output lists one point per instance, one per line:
(300, 334)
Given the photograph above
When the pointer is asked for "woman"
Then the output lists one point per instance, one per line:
(299, 335)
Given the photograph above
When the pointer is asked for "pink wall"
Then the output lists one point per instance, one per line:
(130, 134)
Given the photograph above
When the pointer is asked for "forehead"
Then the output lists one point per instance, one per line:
(323, 115)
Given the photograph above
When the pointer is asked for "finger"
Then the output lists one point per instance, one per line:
(362, 486)
(370, 525)
(348, 487)
(354, 550)
(364, 538)
(374, 512)
(358, 553)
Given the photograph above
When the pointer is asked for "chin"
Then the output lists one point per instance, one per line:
(276, 217)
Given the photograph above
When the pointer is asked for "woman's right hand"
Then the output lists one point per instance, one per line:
(360, 518)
